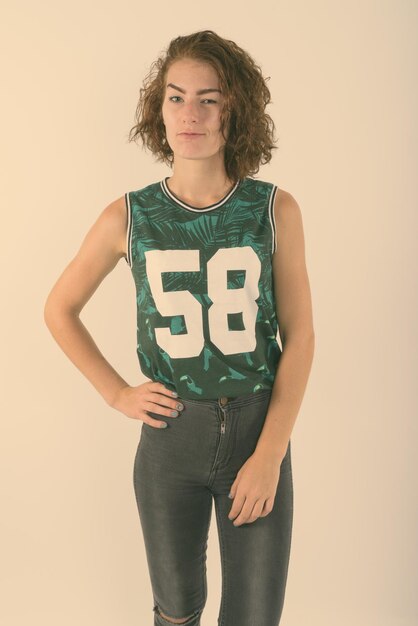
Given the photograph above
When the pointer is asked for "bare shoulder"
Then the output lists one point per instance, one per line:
(291, 281)
(286, 208)
(100, 250)
(289, 225)
(115, 218)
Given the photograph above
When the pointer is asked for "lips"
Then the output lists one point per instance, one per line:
(193, 134)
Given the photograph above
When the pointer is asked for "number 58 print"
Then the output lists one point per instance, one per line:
(224, 300)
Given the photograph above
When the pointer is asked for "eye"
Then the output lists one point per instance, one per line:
(205, 100)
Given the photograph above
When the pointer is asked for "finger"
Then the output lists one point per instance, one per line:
(256, 512)
(247, 513)
(162, 400)
(267, 508)
(169, 410)
(236, 507)
(155, 423)
(160, 388)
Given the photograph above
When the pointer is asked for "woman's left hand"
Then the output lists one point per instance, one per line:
(254, 489)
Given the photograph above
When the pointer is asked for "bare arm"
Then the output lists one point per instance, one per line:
(99, 253)
(294, 311)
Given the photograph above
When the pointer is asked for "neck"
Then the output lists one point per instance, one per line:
(199, 184)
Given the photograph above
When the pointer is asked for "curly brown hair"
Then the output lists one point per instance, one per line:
(251, 130)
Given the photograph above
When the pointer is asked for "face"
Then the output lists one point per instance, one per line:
(184, 109)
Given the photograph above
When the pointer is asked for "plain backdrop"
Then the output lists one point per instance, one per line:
(344, 101)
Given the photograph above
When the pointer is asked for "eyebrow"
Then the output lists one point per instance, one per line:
(198, 93)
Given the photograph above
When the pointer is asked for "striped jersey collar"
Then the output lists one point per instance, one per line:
(185, 205)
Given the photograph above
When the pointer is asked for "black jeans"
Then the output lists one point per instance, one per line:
(177, 472)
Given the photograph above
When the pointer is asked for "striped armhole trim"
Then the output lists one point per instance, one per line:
(128, 257)
(273, 219)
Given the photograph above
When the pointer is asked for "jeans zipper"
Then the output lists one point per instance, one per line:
(222, 432)
(223, 422)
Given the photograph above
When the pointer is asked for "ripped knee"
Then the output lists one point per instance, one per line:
(175, 620)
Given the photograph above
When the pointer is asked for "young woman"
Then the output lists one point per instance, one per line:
(219, 266)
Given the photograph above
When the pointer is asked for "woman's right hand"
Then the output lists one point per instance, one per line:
(151, 396)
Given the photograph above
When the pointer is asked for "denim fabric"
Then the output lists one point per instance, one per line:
(178, 470)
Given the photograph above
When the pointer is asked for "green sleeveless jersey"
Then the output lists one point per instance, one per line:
(206, 314)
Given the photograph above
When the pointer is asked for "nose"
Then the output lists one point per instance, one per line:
(190, 112)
